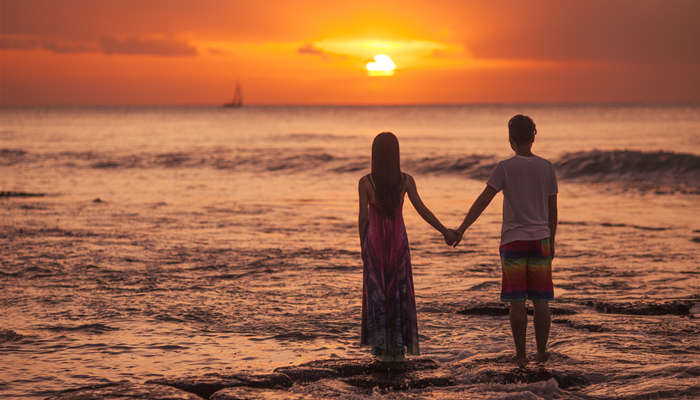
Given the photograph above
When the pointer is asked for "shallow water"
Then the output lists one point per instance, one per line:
(226, 240)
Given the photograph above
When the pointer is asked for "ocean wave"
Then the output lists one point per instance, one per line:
(308, 137)
(11, 232)
(616, 225)
(21, 194)
(474, 166)
(646, 170)
(95, 328)
(660, 171)
(617, 162)
(12, 156)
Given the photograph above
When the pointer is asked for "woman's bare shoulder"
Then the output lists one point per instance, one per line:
(364, 181)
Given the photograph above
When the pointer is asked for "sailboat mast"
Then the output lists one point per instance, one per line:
(237, 100)
(238, 97)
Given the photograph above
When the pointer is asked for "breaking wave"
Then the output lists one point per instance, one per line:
(645, 170)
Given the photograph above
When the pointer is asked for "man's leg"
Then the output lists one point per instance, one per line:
(518, 324)
(542, 322)
(514, 290)
(540, 289)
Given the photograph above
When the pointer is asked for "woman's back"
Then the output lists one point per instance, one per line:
(389, 321)
(374, 203)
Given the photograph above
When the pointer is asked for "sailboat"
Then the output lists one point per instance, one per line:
(237, 100)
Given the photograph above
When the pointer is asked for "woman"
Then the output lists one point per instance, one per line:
(389, 321)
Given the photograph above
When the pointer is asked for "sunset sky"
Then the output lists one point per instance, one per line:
(315, 52)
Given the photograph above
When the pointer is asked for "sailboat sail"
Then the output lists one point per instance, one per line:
(237, 100)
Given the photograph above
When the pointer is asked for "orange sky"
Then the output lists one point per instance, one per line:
(314, 52)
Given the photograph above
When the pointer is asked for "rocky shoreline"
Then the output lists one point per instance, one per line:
(337, 378)
(357, 375)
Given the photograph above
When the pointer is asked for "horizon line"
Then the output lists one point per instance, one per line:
(436, 104)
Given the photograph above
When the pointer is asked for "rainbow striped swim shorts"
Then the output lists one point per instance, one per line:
(527, 270)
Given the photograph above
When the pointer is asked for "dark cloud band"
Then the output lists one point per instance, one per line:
(106, 45)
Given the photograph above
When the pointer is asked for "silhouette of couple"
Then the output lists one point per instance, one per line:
(528, 182)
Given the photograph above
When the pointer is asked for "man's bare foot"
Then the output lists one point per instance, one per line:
(520, 361)
(542, 357)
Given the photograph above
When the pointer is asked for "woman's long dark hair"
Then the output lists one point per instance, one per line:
(386, 172)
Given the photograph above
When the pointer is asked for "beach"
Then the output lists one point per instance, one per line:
(146, 243)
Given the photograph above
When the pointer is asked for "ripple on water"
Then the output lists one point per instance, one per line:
(7, 335)
(94, 328)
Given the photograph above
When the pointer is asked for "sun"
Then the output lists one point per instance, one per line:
(381, 66)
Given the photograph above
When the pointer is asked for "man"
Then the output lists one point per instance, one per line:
(527, 235)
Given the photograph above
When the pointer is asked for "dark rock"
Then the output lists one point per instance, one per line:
(246, 393)
(125, 391)
(7, 335)
(367, 373)
(403, 380)
(273, 380)
(98, 200)
(501, 309)
(567, 380)
(580, 325)
(559, 311)
(342, 368)
(676, 307)
(307, 374)
(485, 309)
(210, 383)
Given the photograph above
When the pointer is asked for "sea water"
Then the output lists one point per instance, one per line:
(185, 240)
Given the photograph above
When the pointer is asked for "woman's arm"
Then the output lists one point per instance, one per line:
(363, 218)
(421, 208)
(476, 209)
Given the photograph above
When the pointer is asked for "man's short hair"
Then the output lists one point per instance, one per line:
(521, 129)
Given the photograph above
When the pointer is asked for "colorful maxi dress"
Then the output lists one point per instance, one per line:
(389, 322)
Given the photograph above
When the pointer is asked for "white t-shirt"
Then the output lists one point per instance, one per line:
(527, 183)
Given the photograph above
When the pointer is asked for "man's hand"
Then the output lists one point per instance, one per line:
(452, 237)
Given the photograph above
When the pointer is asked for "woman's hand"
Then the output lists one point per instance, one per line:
(452, 237)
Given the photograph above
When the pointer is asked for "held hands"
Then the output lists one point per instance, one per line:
(452, 237)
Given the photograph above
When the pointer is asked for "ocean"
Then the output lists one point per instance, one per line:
(146, 242)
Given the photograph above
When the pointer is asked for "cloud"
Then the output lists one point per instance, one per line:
(217, 52)
(314, 50)
(636, 31)
(643, 31)
(107, 45)
(61, 47)
(30, 43)
(309, 48)
(155, 47)
(17, 43)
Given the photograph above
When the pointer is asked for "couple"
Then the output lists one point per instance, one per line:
(389, 323)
